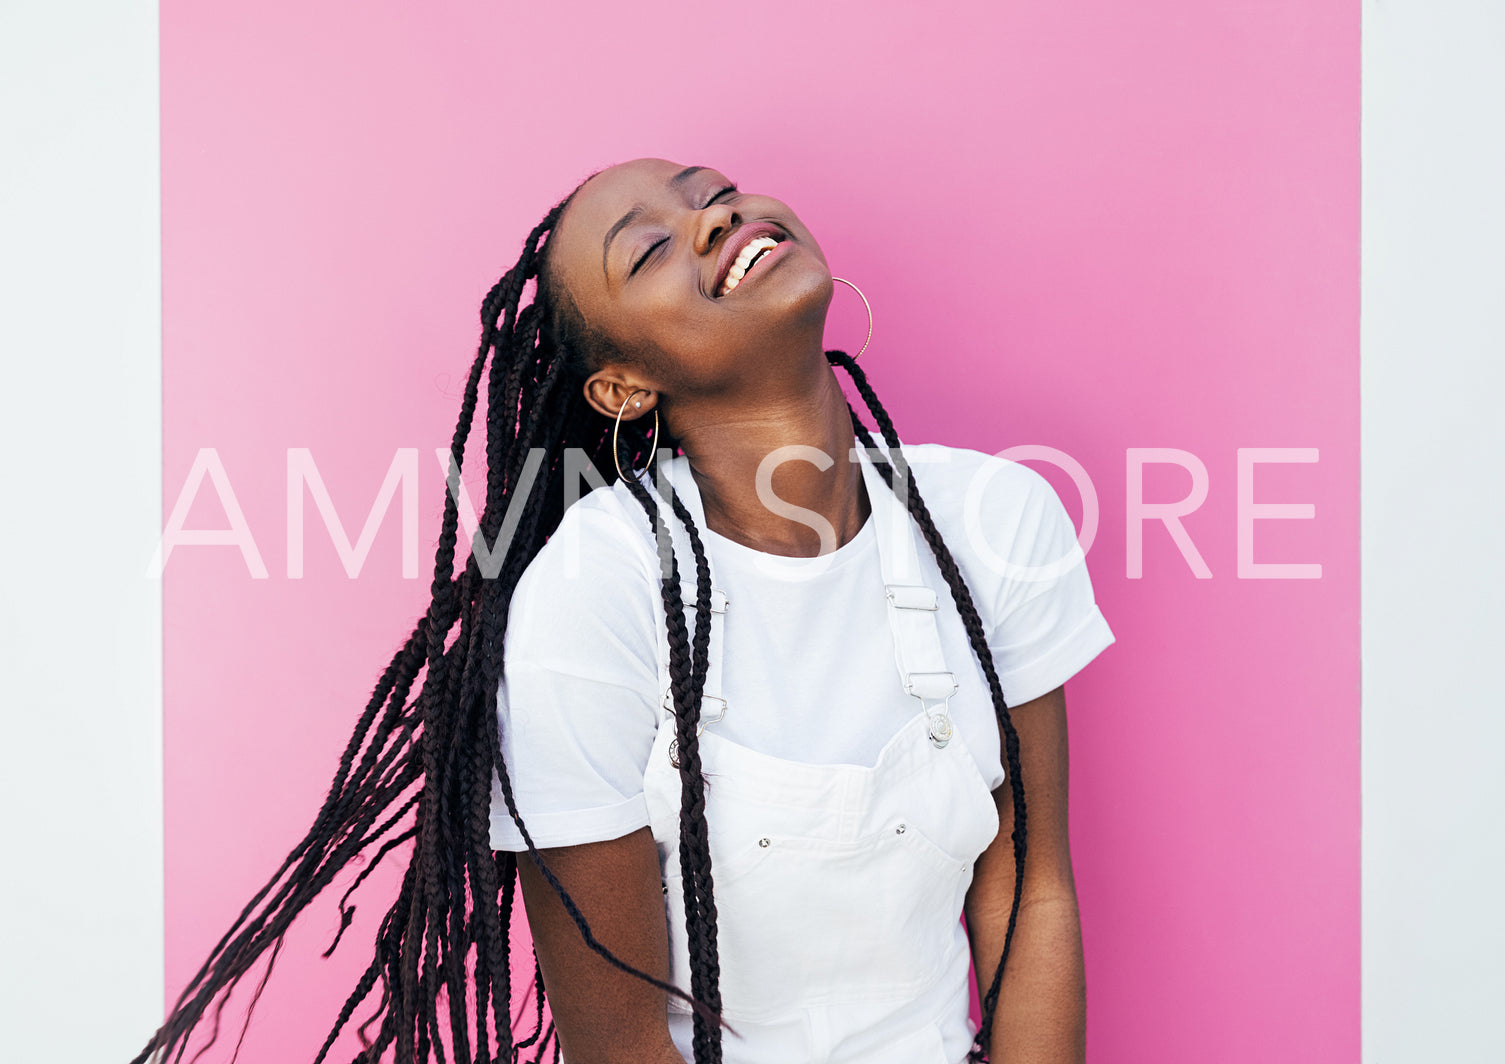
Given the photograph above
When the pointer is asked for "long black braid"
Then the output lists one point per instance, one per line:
(436, 755)
(976, 635)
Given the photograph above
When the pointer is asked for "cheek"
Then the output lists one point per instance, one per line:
(680, 346)
(669, 315)
(798, 228)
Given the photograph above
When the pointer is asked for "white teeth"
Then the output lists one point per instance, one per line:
(744, 260)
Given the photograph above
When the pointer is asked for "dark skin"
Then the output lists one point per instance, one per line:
(736, 376)
(733, 377)
(1042, 1007)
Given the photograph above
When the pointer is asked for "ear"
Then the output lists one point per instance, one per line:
(608, 389)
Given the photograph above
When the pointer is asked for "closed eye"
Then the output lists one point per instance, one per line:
(656, 244)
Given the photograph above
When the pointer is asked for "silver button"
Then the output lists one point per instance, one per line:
(899, 830)
(763, 842)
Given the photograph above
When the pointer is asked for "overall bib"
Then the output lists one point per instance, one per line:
(838, 887)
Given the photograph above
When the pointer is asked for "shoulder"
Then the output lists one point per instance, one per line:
(596, 534)
(960, 484)
(1003, 522)
(594, 574)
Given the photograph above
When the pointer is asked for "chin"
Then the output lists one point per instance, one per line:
(805, 288)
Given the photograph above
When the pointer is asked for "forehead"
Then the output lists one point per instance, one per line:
(600, 203)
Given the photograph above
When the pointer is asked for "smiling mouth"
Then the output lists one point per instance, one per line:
(755, 249)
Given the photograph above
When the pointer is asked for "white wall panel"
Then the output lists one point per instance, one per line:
(1433, 340)
(80, 416)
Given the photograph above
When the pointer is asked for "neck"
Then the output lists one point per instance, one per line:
(726, 446)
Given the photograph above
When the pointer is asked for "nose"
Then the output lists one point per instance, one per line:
(711, 224)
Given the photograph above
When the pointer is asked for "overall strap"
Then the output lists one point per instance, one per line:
(912, 604)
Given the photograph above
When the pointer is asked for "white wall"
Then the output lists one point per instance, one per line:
(80, 414)
(80, 411)
(1433, 328)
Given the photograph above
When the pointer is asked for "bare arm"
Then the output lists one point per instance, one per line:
(1041, 1015)
(603, 1015)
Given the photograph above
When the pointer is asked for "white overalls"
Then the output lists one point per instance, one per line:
(838, 887)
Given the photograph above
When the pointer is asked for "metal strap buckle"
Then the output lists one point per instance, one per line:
(940, 728)
(930, 688)
(668, 704)
(719, 601)
(700, 725)
(910, 596)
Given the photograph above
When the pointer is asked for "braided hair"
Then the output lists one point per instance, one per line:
(435, 754)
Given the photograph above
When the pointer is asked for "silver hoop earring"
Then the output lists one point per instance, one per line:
(615, 456)
(869, 307)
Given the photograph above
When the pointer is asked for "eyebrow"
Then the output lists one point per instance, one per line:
(633, 214)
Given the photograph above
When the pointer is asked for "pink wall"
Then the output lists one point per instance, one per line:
(1087, 225)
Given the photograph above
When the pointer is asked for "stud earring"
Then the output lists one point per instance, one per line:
(869, 307)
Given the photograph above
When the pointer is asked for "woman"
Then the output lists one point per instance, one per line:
(746, 818)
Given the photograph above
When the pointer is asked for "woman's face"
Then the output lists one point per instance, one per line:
(646, 250)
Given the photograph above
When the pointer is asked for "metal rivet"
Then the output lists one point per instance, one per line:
(899, 830)
(763, 842)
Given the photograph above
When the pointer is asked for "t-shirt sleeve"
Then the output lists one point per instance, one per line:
(1044, 625)
(580, 676)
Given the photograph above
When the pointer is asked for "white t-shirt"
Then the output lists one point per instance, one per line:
(808, 669)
